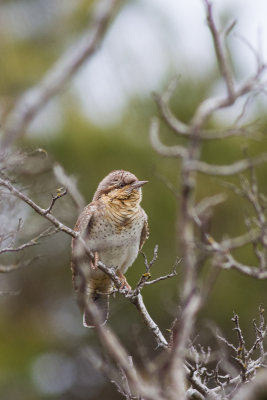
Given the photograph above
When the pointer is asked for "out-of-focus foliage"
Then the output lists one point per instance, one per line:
(42, 340)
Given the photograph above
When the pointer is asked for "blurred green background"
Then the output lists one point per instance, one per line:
(42, 340)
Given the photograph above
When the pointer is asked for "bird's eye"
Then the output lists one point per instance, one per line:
(120, 184)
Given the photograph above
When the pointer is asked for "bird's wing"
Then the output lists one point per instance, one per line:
(144, 233)
(78, 253)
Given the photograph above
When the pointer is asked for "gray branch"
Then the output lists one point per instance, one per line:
(35, 99)
(133, 297)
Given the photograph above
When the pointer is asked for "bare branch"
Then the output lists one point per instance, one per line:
(60, 193)
(162, 278)
(170, 275)
(227, 170)
(183, 129)
(231, 263)
(56, 79)
(135, 298)
(223, 62)
(111, 344)
(255, 390)
(41, 211)
(14, 267)
(167, 151)
(69, 182)
(162, 102)
(32, 242)
(209, 202)
(240, 241)
(153, 327)
(213, 104)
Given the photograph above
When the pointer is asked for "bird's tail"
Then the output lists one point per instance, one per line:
(98, 290)
(101, 301)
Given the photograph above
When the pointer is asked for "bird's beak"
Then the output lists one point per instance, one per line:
(138, 184)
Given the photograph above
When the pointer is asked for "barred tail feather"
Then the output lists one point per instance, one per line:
(101, 300)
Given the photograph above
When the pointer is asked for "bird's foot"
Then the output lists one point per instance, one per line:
(123, 280)
(94, 262)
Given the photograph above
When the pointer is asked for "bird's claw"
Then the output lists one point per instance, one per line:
(123, 280)
(94, 262)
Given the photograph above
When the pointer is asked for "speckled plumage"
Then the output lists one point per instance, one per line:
(115, 228)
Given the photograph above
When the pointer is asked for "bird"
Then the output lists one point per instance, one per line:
(114, 227)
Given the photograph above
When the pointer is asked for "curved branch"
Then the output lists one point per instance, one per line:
(223, 61)
(227, 170)
(167, 151)
(31, 103)
(252, 271)
(173, 122)
(181, 128)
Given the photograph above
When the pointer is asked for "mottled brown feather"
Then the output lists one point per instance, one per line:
(144, 235)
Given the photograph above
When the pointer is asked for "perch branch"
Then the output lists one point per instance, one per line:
(132, 296)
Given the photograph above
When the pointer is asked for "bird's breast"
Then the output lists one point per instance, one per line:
(116, 237)
(115, 231)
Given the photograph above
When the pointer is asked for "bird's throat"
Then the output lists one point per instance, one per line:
(121, 212)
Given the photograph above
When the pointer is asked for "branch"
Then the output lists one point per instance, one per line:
(34, 100)
(118, 378)
(60, 193)
(231, 263)
(162, 278)
(144, 279)
(13, 267)
(152, 326)
(133, 297)
(69, 182)
(118, 354)
(242, 240)
(32, 242)
(220, 51)
(162, 102)
(197, 384)
(167, 151)
(223, 258)
(183, 129)
(41, 211)
(213, 104)
(109, 341)
(106, 336)
(255, 390)
(227, 170)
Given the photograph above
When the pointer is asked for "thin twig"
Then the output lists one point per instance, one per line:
(69, 182)
(32, 242)
(14, 267)
(223, 62)
(60, 193)
(39, 210)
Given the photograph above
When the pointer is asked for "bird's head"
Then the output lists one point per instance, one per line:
(120, 185)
